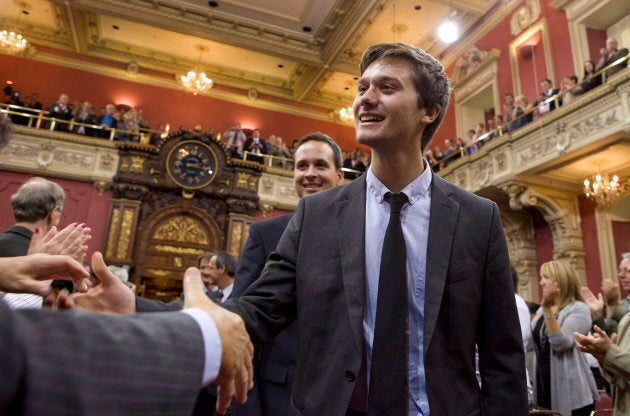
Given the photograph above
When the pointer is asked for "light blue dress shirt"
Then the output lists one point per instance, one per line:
(415, 225)
(211, 344)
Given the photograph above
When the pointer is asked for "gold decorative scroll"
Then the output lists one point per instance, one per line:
(178, 250)
(182, 229)
(242, 180)
(137, 165)
(156, 272)
(113, 227)
(237, 235)
(124, 238)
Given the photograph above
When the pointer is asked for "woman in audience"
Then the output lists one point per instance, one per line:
(590, 80)
(522, 112)
(564, 381)
(84, 115)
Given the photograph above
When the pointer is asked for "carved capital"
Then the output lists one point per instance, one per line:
(101, 186)
(129, 191)
(241, 206)
(265, 208)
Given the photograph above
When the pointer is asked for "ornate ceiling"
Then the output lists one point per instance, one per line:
(304, 51)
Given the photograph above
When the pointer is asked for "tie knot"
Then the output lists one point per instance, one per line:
(396, 202)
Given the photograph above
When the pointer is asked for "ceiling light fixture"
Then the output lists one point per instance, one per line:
(603, 190)
(346, 113)
(448, 30)
(196, 80)
(11, 40)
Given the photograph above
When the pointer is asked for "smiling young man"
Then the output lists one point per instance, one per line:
(317, 167)
(326, 270)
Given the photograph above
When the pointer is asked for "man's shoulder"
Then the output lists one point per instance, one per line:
(17, 230)
(280, 221)
(460, 195)
(337, 193)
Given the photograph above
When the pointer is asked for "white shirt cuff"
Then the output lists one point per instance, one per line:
(211, 342)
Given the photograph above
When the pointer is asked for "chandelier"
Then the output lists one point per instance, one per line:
(605, 191)
(196, 80)
(346, 113)
(12, 42)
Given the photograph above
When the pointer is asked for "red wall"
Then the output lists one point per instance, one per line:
(83, 204)
(161, 105)
(560, 42)
(543, 239)
(596, 41)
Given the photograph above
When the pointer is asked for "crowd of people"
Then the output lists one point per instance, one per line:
(520, 110)
(80, 117)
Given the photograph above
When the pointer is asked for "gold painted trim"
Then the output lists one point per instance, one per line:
(513, 48)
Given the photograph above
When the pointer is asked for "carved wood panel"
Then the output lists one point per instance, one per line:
(170, 242)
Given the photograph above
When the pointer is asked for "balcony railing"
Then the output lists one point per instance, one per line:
(40, 119)
(517, 122)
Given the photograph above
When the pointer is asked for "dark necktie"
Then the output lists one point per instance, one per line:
(219, 297)
(389, 390)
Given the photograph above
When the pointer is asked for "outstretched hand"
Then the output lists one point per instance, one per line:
(236, 373)
(34, 273)
(110, 295)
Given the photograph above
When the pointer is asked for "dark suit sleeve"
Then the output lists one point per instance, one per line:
(78, 363)
(251, 262)
(501, 356)
(153, 305)
(269, 304)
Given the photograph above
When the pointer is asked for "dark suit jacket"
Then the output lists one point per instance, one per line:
(545, 95)
(247, 146)
(15, 241)
(317, 275)
(275, 361)
(77, 363)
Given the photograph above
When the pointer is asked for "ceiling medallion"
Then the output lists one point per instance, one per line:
(195, 80)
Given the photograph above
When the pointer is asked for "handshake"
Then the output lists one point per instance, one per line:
(58, 255)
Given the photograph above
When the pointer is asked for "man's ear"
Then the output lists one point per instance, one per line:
(430, 114)
(339, 177)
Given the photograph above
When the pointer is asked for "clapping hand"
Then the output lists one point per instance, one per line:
(595, 304)
(597, 344)
(71, 241)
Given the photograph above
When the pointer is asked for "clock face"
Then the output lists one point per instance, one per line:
(191, 164)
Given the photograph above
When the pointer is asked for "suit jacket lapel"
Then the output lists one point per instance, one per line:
(444, 211)
(351, 224)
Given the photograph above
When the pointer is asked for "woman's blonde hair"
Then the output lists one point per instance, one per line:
(567, 278)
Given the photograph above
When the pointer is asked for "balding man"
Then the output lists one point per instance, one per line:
(36, 206)
(610, 54)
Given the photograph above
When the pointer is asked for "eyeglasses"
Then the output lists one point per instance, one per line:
(207, 268)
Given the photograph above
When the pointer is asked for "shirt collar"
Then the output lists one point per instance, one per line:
(416, 189)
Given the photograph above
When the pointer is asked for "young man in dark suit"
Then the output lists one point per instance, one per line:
(325, 272)
(317, 167)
